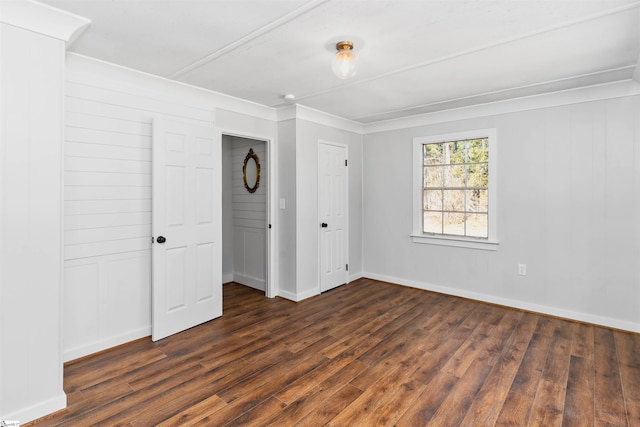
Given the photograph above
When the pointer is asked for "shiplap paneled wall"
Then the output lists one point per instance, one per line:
(249, 216)
(107, 206)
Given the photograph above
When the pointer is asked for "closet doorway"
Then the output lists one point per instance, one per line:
(245, 211)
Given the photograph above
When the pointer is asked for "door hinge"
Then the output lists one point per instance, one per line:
(347, 267)
(345, 162)
(152, 240)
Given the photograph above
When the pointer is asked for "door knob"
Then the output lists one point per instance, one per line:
(161, 239)
(324, 225)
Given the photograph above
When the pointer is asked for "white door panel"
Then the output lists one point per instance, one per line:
(332, 207)
(187, 275)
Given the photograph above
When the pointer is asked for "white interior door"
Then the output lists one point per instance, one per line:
(333, 215)
(186, 210)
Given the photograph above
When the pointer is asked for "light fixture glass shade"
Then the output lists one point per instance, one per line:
(344, 61)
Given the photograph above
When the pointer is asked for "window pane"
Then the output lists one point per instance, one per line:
(432, 176)
(453, 200)
(432, 222)
(477, 225)
(478, 175)
(433, 154)
(477, 201)
(432, 200)
(454, 224)
(478, 150)
(454, 152)
(454, 176)
(455, 196)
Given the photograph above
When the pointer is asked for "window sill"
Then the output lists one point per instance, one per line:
(458, 242)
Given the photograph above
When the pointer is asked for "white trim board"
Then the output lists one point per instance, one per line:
(136, 80)
(93, 71)
(618, 89)
(507, 302)
(106, 344)
(249, 281)
(355, 276)
(295, 297)
(309, 114)
(40, 410)
(43, 19)
(311, 293)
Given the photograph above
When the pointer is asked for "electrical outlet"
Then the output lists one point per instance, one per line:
(522, 269)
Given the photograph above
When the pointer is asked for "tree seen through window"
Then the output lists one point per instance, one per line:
(455, 188)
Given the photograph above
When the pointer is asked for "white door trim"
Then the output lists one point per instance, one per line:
(346, 149)
(271, 289)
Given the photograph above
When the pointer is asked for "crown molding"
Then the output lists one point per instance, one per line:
(95, 70)
(43, 19)
(618, 89)
(286, 113)
(302, 112)
(98, 72)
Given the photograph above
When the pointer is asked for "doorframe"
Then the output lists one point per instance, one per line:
(271, 290)
(347, 244)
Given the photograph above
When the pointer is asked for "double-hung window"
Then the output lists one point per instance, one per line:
(454, 189)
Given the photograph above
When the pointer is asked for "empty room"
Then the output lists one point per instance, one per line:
(319, 213)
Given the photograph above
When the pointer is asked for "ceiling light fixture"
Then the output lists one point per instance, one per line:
(344, 62)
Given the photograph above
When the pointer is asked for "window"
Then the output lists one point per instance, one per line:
(454, 194)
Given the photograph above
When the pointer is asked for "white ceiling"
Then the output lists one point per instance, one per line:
(415, 56)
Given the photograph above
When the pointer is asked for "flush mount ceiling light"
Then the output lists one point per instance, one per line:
(344, 61)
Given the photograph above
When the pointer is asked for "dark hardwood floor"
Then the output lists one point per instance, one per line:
(364, 354)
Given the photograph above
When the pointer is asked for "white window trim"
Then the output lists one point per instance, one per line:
(491, 243)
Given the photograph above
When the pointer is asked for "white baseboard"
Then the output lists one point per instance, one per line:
(252, 282)
(288, 295)
(311, 292)
(40, 410)
(355, 277)
(104, 344)
(523, 305)
(308, 294)
(298, 297)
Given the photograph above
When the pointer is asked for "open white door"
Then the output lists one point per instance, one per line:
(333, 216)
(186, 211)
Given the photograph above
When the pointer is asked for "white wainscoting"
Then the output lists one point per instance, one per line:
(115, 291)
(249, 217)
(107, 201)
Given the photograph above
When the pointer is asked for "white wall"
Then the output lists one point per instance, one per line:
(227, 210)
(31, 90)
(307, 136)
(568, 208)
(107, 277)
(286, 209)
(244, 222)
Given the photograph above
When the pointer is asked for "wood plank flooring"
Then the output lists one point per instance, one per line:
(364, 354)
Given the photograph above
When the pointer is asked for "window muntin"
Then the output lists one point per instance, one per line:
(457, 201)
(455, 178)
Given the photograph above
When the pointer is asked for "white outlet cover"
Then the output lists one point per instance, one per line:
(522, 269)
